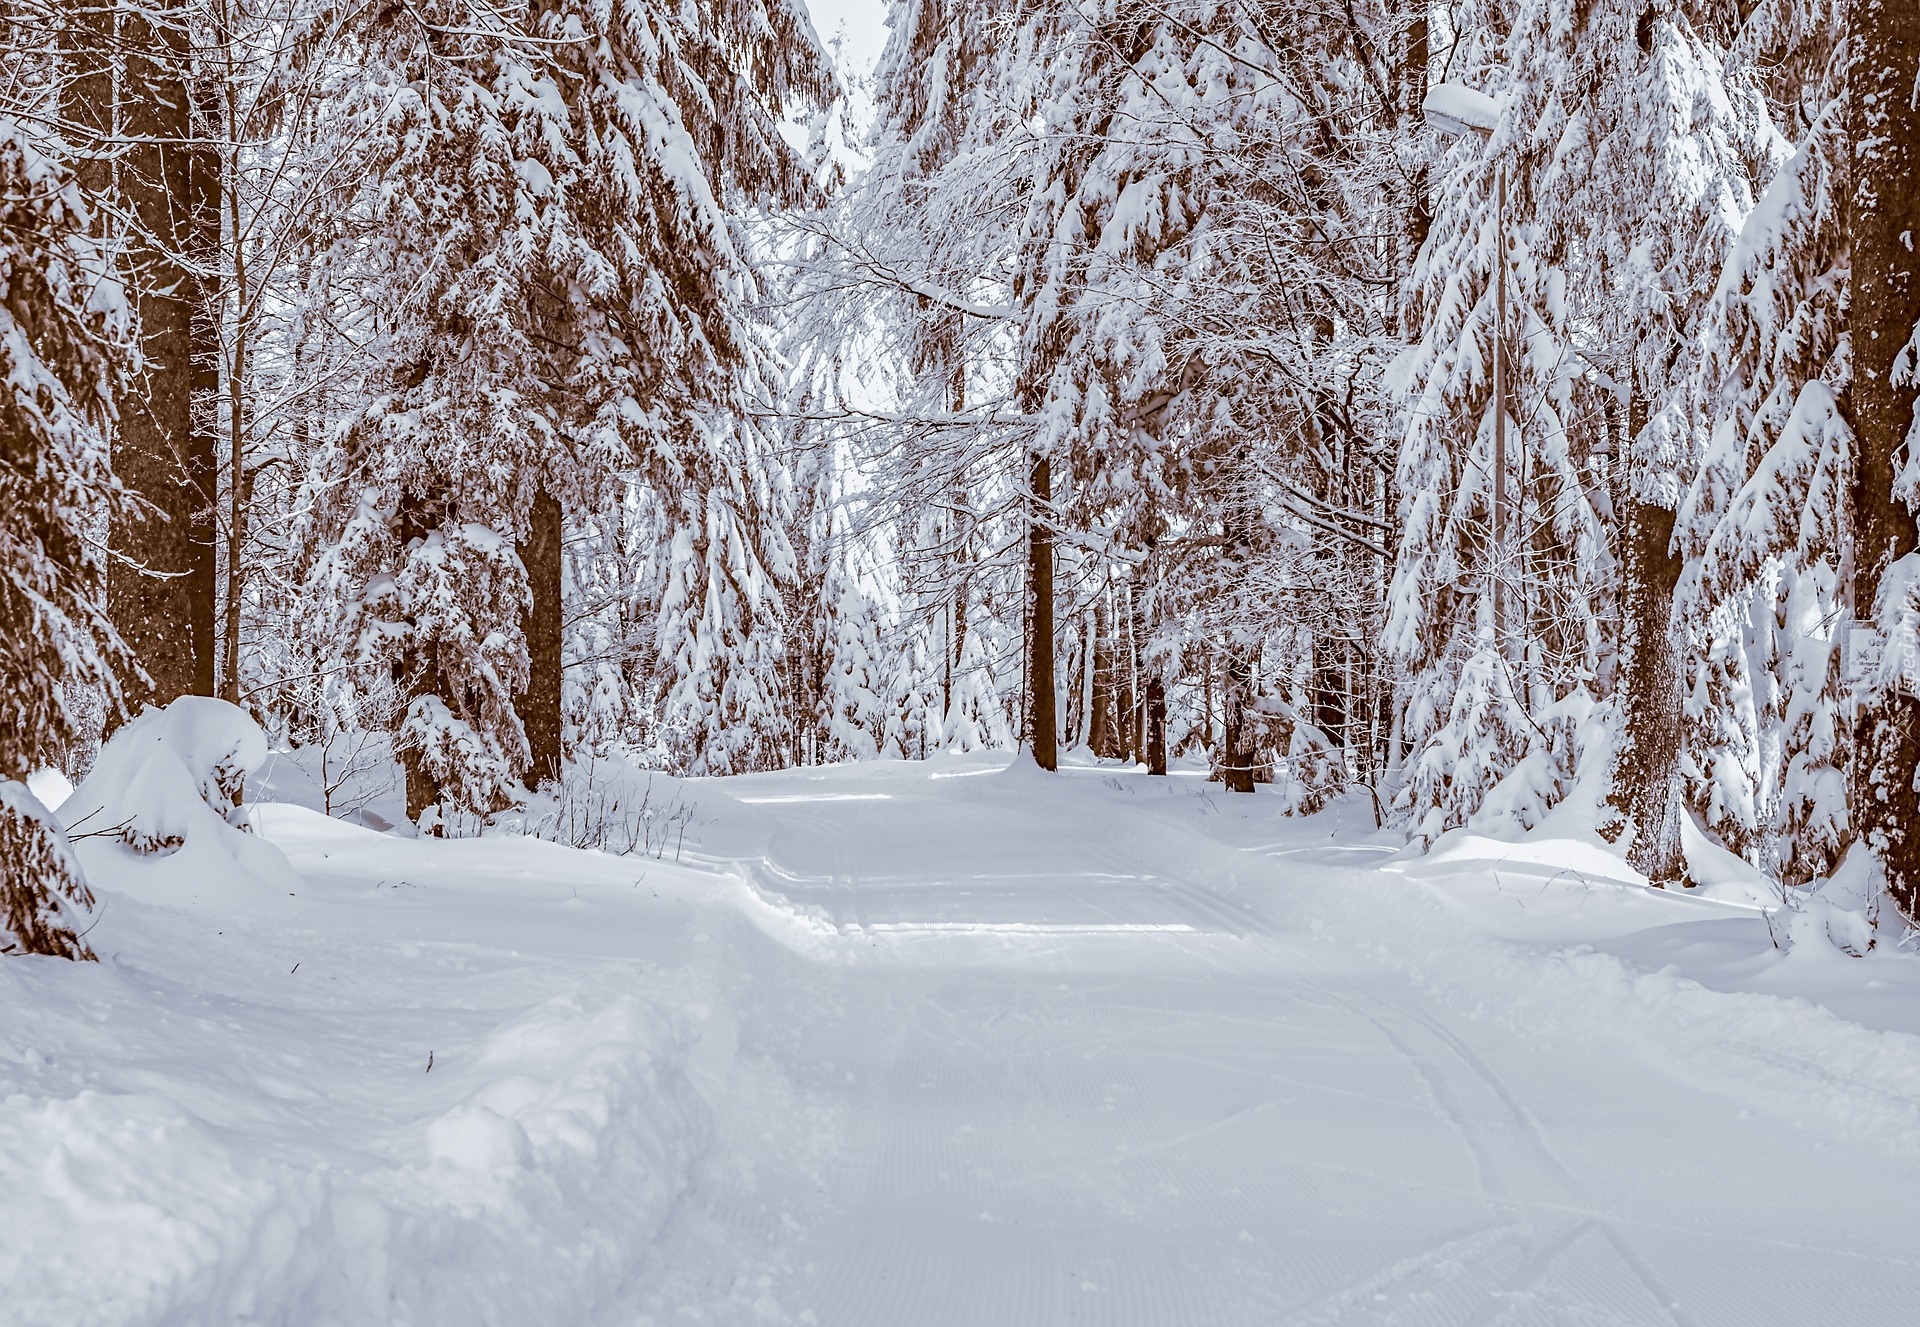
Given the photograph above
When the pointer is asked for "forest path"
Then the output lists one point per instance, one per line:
(1087, 1059)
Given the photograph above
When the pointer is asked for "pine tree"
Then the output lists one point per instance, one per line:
(560, 298)
(1765, 529)
(63, 326)
(1494, 627)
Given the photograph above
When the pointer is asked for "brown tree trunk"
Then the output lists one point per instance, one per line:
(160, 584)
(1156, 724)
(539, 705)
(418, 674)
(1646, 768)
(1236, 748)
(204, 254)
(1100, 738)
(1885, 306)
(1041, 728)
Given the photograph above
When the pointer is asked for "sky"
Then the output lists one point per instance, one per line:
(863, 23)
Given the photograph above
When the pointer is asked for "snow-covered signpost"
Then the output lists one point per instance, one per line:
(1454, 110)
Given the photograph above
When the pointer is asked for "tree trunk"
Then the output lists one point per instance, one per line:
(239, 482)
(1156, 724)
(1885, 306)
(204, 259)
(1236, 754)
(1646, 767)
(418, 674)
(1101, 739)
(1040, 707)
(160, 584)
(1236, 751)
(540, 703)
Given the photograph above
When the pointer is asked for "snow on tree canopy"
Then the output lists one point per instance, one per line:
(1454, 109)
(63, 326)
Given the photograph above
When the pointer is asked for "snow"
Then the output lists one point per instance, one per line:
(954, 1043)
(1455, 108)
(156, 813)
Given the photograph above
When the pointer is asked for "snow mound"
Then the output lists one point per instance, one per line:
(160, 815)
(1719, 874)
(554, 1149)
(1836, 917)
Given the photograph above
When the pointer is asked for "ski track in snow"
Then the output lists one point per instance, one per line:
(894, 1051)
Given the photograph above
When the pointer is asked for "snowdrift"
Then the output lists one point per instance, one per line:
(160, 816)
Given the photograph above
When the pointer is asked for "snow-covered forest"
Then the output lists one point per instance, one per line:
(1425, 429)
(1456, 402)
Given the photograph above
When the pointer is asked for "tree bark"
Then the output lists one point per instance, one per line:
(418, 675)
(1236, 751)
(206, 192)
(1156, 724)
(239, 481)
(1885, 306)
(540, 704)
(1646, 769)
(1042, 732)
(160, 584)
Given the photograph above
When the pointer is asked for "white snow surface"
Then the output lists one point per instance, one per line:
(952, 1043)
(1460, 108)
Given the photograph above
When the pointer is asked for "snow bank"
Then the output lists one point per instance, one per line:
(1783, 1054)
(440, 1086)
(1721, 875)
(525, 1191)
(160, 815)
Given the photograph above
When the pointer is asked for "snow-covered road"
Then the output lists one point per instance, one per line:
(1092, 1068)
(904, 1046)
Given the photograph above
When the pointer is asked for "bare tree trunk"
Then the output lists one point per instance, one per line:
(239, 482)
(1236, 754)
(419, 676)
(1040, 682)
(1156, 724)
(1135, 675)
(1101, 737)
(1236, 750)
(160, 584)
(540, 704)
(1089, 673)
(204, 254)
(1646, 769)
(1885, 306)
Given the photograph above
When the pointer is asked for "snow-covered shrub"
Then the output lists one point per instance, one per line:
(615, 806)
(43, 892)
(166, 789)
(1842, 913)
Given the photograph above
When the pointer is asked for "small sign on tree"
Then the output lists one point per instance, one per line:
(1863, 654)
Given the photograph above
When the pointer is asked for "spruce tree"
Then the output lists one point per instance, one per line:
(63, 326)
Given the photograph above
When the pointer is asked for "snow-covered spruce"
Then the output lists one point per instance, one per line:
(544, 241)
(62, 330)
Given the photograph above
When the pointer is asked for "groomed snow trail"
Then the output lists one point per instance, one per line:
(948, 1045)
(1099, 1055)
